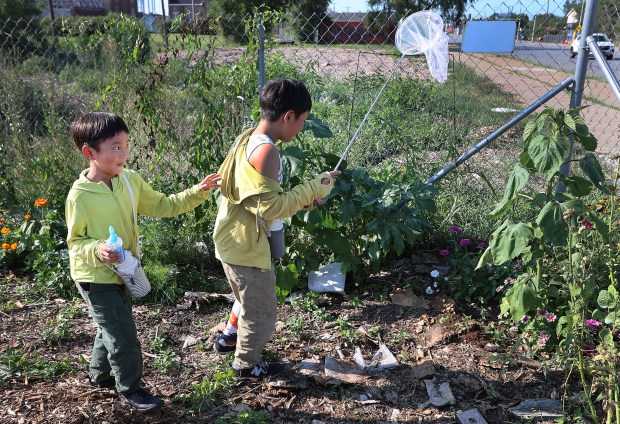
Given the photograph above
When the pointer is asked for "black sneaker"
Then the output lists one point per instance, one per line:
(260, 371)
(108, 383)
(143, 401)
(229, 343)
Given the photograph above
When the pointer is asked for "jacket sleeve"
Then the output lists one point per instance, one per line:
(158, 205)
(274, 205)
(80, 245)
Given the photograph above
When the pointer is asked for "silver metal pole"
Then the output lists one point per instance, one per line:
(581, 67)
(598, 55)
(495, 134)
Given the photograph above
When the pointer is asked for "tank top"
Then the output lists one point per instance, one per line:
(255, 141)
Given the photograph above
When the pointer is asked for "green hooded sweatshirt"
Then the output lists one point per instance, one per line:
(248, 198)
(91, 208)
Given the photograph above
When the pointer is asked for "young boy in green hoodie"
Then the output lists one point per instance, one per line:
(249, 214)
(98, 199)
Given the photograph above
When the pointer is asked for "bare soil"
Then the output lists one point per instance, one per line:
(430, 340)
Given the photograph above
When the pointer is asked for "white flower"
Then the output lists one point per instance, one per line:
(434, 273)
(435, 284)
(429, 290)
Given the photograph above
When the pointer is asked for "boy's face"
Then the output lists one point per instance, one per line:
(293, 124)
(111, 157)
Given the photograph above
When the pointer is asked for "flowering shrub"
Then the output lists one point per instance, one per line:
(470, 285)
(35, 241)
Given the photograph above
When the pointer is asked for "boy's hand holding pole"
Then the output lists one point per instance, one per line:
(324, 181)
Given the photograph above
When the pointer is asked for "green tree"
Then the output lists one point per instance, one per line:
(393, 10)
(305, 17)
(18, 9)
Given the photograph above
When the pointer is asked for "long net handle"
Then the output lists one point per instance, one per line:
(346, 151)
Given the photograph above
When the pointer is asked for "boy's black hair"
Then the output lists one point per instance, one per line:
(95, 127)
(281, 95)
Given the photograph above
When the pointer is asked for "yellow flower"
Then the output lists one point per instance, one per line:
(6, 246)
(40, 203)
(5, 230)
(14, 246)
(27, 217)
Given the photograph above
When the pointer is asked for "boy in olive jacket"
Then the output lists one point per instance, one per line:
(98, 199)
(249, 213)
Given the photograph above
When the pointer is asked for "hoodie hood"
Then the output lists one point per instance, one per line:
(239, 178)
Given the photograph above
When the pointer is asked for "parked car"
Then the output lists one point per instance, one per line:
(606, 46)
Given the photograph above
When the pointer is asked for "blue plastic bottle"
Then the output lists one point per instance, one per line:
(115, 243)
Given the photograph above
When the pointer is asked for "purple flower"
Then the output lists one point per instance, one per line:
(525, 319)
(464, 242)
(616, 335)
(594, 325)
(550, 316)
(454, 229)
(483, 245)
(444, 252)
(587, 225)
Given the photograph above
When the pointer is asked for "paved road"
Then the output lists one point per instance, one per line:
(554, 55)
(558, 56)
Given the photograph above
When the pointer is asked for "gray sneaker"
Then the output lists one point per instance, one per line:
(143, 401)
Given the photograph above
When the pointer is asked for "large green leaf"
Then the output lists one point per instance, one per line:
(318, 128)
(286, 280)
(549, 154)
(592, 168)
(551, 221)
(605, 300)
(587, 141)
(522, 298)
(529, 129)
(508, 241)
(516, 181)
(577, 186)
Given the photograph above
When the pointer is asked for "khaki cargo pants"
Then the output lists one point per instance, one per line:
(256, 291)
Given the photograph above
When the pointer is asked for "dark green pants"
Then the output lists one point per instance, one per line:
(116, 348)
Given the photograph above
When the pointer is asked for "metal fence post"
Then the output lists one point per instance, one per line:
(581, 66)
(261, 53)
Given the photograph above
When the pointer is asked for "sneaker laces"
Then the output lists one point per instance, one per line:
(261, 368)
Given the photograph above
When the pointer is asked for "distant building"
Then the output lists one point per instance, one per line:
(349, 28)
(94, 7)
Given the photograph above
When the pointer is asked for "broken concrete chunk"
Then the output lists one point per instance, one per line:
(342, 372)
(539, 408)
(408, 298)
(439, 394)
(471, 416)
(190, 341)
(423, 370)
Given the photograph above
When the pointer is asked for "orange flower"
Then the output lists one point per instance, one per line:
(6, 246)
(5, 230)
(27, 217)
(40, 203)
(14, 246)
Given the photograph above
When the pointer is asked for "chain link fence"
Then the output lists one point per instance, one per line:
(188, 86)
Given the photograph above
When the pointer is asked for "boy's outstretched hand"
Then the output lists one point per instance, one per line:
(210, 182)
(325, 181)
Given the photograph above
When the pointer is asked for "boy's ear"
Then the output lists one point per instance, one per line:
(87, 152)
(288, 115)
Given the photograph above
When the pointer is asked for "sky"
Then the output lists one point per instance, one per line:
(480, 8)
